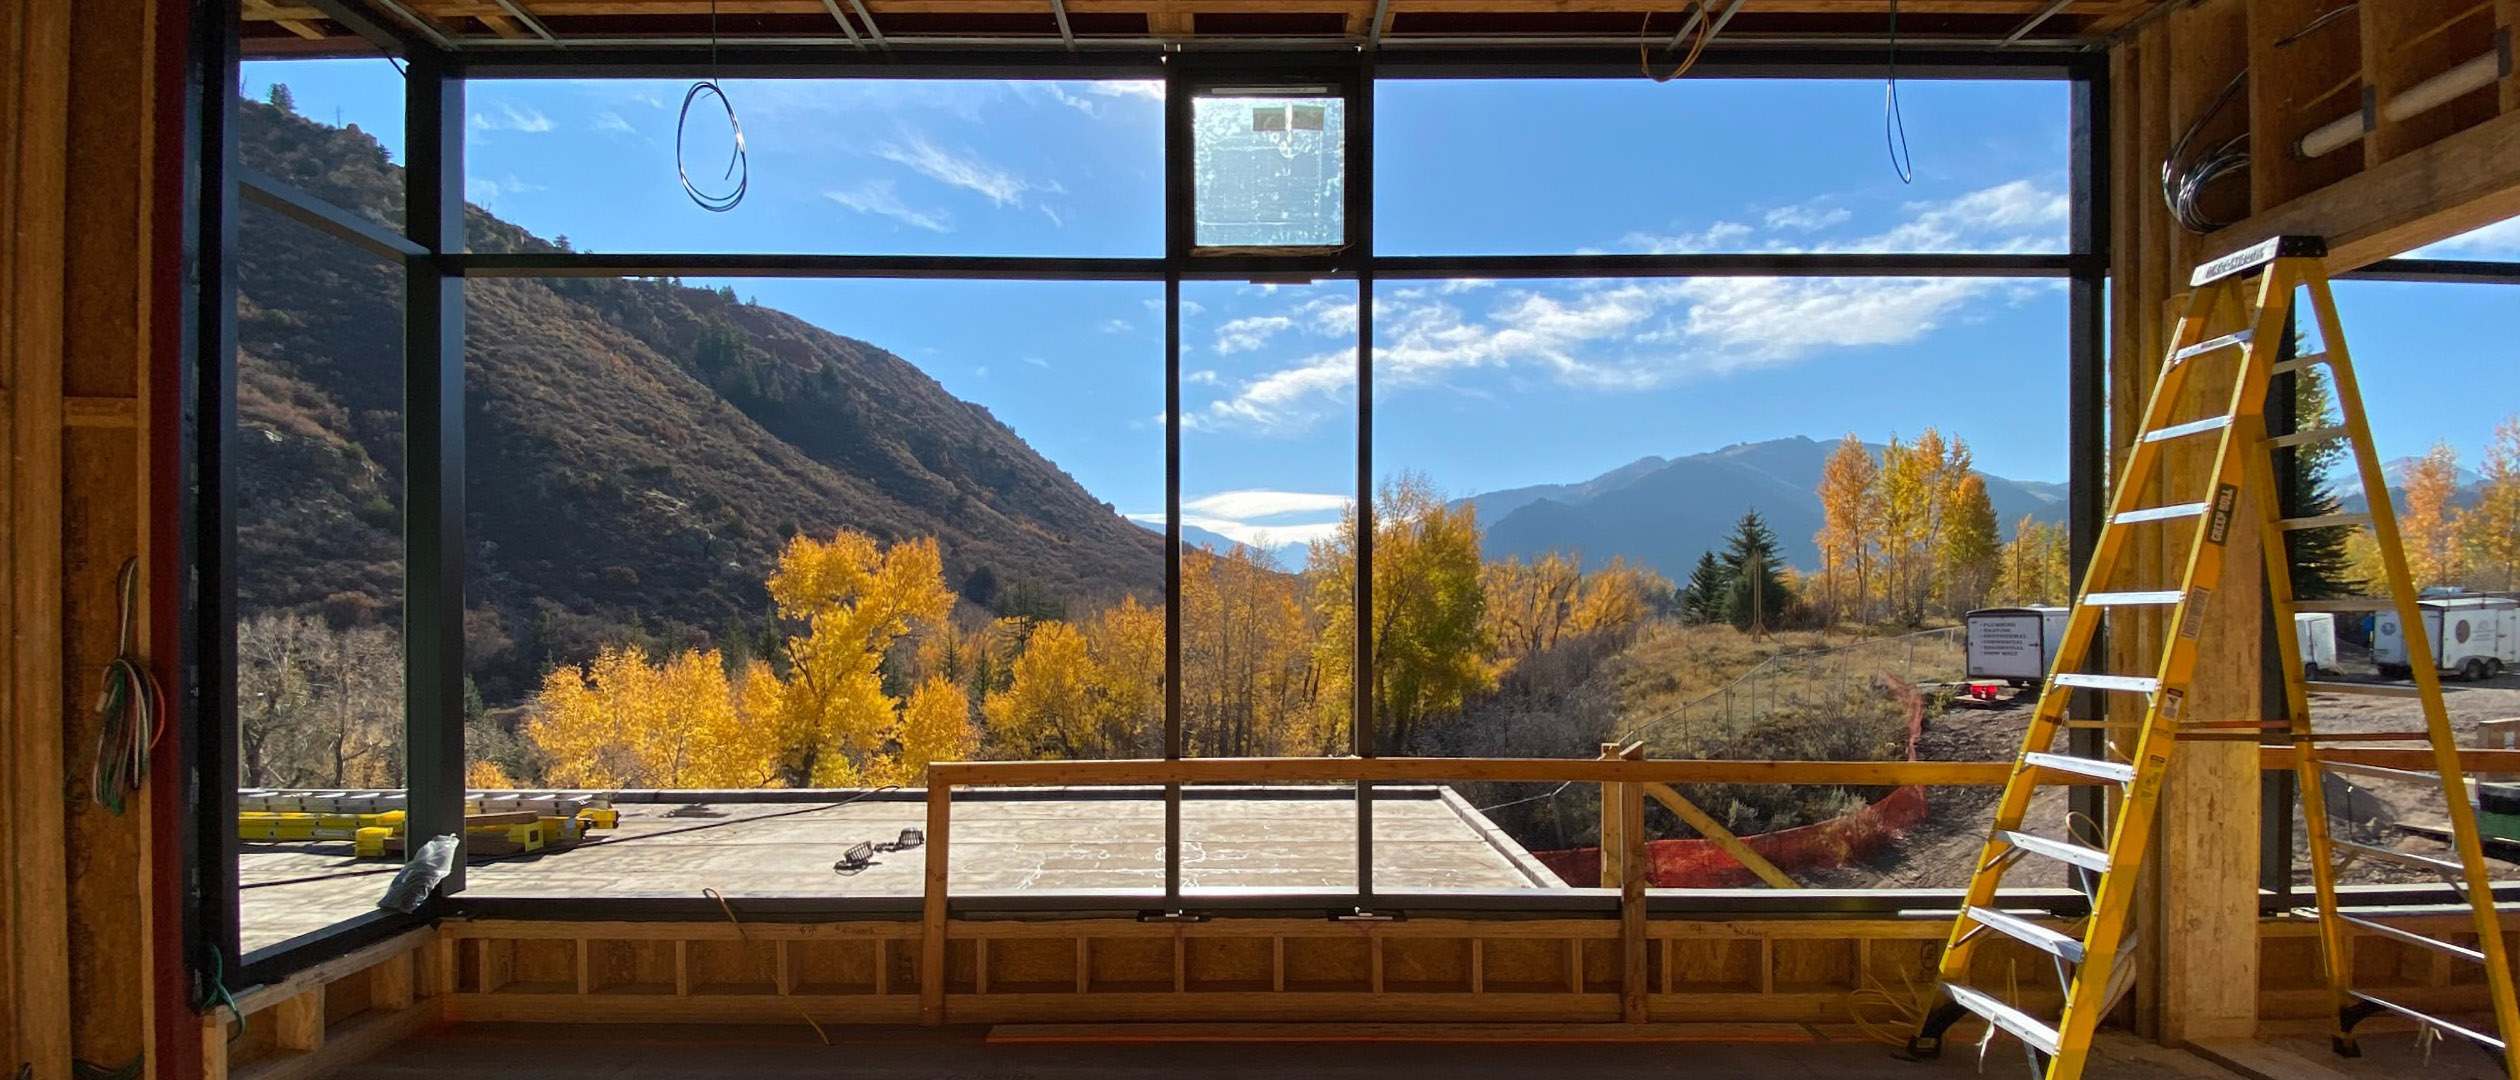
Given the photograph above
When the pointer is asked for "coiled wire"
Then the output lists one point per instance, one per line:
(738, 166)
(2183, 182)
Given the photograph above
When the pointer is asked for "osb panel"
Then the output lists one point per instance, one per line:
(833, 967)
(626, 967)
(1130, 964)
(1329, 964)
(1426, 964)
(1714, 964)
(729, 967)
(1807, 965)
(1225, 964)
(1046, 965)
(1534, 965)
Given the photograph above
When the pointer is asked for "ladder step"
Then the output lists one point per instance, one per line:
(2117, 771)
(2346, 603)
(2402, 858)
(2408, 936)
(2297, 363)
(2019, 1024)
(2055, 942)
(2367, 689)
(2132, 684)
(2193, 427)
(2161, 598)
(2162, 513)
(2324, 521)
(2227, 341)
(2469, 1034)
(2376, 772)
(2092, 859)
(2307, 436)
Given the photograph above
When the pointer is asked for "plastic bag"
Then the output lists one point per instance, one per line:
(420, 876)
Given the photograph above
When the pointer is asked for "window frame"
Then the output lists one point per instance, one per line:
(432, 250)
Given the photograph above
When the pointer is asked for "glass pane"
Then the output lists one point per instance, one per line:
(1551, 166)
(1567, 553)
(1270, 171)
(846, 166)
(319, 576)
(1268, 468)
(331, 128)
(810, 536)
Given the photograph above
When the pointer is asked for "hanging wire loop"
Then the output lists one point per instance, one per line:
(738, 166)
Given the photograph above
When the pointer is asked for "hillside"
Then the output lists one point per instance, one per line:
(1664, 511)
(638, 450)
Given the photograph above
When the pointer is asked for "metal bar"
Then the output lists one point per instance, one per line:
(2428, 1020)
(1697, 14)
(517, 11)
(408, 40)
(872, 30)
(1172, 586)
(324, 217)
(433, 475)
(833, 6)
(2087, 402)
(1360, 236)
(1374, 29)
(1737, 264)
(2036, 21)
(969, 267)
(1058, 11)
(2448, 271)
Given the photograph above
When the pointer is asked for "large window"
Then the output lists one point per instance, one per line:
(764, 510)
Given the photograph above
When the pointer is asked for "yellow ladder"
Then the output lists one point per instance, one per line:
(2253, 291)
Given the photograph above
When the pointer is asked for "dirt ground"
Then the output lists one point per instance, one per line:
(1939, 853)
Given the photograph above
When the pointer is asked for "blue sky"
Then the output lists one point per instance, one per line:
(1479, 385)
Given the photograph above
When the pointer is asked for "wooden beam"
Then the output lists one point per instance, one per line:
(1634, 866)
(297, 1023)
(932, 921)
(1442, 770)
(2463, 182)
(1721, 837)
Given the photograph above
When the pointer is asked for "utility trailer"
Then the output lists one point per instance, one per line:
(2015, 646)
(2316, 633)
(2472, 637)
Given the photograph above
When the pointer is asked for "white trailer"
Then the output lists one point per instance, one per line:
(2315, 631)
(2016, 645)
(2473, 637)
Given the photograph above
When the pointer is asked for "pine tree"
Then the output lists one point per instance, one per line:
(1709, 591)
(278, 97)
(2321, 568)
(1757, 575)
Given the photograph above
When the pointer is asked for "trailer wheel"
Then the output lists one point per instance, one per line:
(2493, 667)
(2473, 670)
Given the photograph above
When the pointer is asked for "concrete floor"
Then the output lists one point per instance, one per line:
(1270, 838)
(597, 1052)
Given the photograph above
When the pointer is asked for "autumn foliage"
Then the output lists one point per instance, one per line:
(1911, 533)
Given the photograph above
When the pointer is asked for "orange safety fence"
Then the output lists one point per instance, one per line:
(1699, 864)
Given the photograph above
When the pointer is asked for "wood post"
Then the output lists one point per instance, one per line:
(932, 921)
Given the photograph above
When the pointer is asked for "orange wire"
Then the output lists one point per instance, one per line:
(1706, 31)
(746, 938)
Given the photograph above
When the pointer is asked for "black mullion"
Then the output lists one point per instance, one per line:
(1741, 264)
(1360, 236)
(542, 264)
(1177, 225)
(433, 469)
(2087, 398)
(206, 447)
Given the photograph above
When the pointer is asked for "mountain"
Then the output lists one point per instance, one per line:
(638, 451)
(1663, 511)
(2349, 488)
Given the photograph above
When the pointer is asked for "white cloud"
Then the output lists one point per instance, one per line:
(877, 197)
(511, 118)
(1807, 217)
(1139, 89)
(1254, 503)
(1262, 518)
(484, 190)
(610, 121)
(1203, 377)
(2500, 240)
(965, 171)
(1037, 362)
(1639, 334)
(1116, 326)
(1244, 335)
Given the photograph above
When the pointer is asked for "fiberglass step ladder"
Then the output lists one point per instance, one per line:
(2252, 289)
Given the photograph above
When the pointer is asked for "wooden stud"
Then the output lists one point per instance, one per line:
(1478, 965)
(682, 968)
(585, 967)
(980, 967)
(389, 983)
(1277, 964)
(298, 1023)
(214, 1043)
(1634, 865)
(932, 915)
(786, 971)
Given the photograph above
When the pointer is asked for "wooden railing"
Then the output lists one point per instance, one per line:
(1627, 781)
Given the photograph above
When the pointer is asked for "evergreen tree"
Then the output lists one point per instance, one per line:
(1708, 593)
(2321, 567)
(278, 97)
(1755, 573)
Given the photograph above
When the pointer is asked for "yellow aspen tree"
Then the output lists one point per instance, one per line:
(488, 776)
(935, 725)
(2493, 524)
(622, 722)
(1970, 553)
(1048, 711)
(2430, 526)
(1127, 645)
(854, 600)
(1849, 501)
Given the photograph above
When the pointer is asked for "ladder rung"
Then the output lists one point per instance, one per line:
(2094, 768)
(2297, 363)
(2469, 1034)
(2192, 427)
(2346, 603)
(2323, 521)
(2408, 936)
(2092, 859)
(2162, 513)
(2306, 436)
(2378, 772)
(2132, 684)
(2367, 689)
(2055, 942)
(2019, 1024)
(2134, 599)
(2402, 858)
(2227, 341)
